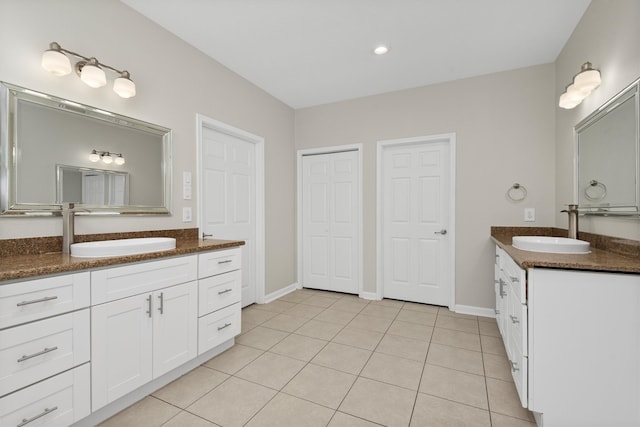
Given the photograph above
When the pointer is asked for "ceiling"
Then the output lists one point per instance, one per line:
(311, 52)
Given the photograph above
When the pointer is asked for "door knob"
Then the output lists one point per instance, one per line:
(443, 232)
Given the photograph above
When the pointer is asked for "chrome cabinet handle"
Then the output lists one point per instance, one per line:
(204, 235)
(226, 325)
(514, 367)
(46, 411)
(225, 261)
(35, 301)
(515, 279)
(225, 291)
(149, 307)
(502, 292)
(161, 298)
(40, 353)
(497, 311)
(514, 319)
(443, 232)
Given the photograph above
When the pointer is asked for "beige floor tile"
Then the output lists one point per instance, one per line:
(393, 370)
(305, 311)
(247, 326)
(408, 348)
(433, 411)
(261, 338)
(444, 311)
(454, 385)
(256, 316)
(221, 405)
(378, 310)
(458, 324)
(456, 339)
(271, 370)
(499, 420)
(324, 386)
(421, 317)
(456, 358)
(425, 308)
(492, 345)
(190, 387)
(486, 319)
(360, 338)
(154, 412)
(234, 359)
(294, 297)
(344, 358)
(503, 399)
(380, 403)
(336, 316)
(371, 323)
(187, 419)
(285, 322)
(349, 305)
(285, 410)
(278, 306)
(389, 303)
(341, 419)
(317, 329)
(320, 301)
(489, 328)
(299, 347)
(411, 330)
(497, 367)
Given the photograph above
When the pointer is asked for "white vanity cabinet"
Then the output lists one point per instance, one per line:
(141, 336)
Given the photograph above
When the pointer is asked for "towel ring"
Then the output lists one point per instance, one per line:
(517, 192)
(595, 191)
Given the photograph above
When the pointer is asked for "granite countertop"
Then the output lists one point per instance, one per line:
(606, 253)
(23, 266)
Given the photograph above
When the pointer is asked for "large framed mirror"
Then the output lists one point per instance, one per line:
(608, 157)
(53, 150)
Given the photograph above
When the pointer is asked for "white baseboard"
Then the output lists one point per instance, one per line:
(373, 296)
(475, 311)
(279, 293)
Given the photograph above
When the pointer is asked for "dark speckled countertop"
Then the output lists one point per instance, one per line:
(24, 264)
(607, 253)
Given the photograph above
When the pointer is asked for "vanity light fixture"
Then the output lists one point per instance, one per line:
(90, 70)
(106, 157)
(381, 50)
(582, 85)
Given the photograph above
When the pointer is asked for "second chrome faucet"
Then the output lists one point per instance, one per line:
(572, 212)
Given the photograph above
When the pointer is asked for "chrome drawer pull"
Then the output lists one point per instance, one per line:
(45, 412)
(40, 353)
(515, 279)
(502, 292)
(225, 291)
(497, 311)
(226, 325)
(514, 319)
(513, 367)
(161, 308)
(227, 261)
(149, 308)
(35, 301)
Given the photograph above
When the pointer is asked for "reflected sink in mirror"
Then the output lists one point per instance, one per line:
(555, 245)
(122, 247)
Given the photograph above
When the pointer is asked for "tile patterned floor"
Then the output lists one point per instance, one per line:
(314, 358)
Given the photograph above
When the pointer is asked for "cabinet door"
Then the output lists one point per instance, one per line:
(121, 344)
(175, 324)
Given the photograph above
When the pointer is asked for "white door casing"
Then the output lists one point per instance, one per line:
(231, 196)
(415, 219)
(330, 233)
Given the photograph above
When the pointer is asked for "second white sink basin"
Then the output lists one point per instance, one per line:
(122, 247)
(556, 245)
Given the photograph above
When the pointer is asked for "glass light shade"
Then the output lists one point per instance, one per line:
(124, 87)
(107, 158)
(381, 50)
(587, 80)
(119, 160)
(568, 103)
(574, 93)
(56, 62)
(94, 157)
(93, 76)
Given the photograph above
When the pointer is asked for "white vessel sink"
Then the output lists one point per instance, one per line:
(122, 247)
(556, 245)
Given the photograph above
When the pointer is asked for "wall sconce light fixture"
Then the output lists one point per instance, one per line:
(89, 70)
(583, 84)
(107, 157)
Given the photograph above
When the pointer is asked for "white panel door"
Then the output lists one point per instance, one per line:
(330, 221)
(415, 220)
(229, 189)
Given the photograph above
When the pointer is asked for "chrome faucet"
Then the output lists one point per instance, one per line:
(68, 215)
(572, 211)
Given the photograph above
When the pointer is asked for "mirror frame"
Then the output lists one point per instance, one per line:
(629, 92)
(9, 96)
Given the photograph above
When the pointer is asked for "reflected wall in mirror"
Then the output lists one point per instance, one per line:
(608, 157)
(46, 144)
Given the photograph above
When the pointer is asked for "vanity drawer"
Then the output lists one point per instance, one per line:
(120, 282)
(519, 372)
(517, 324)
(219, 291)
(32, 352)
(57, 401)
(517, 277)
(218, 262)
(22, 302)
(218, 327)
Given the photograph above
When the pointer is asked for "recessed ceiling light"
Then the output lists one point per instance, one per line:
(381, 50)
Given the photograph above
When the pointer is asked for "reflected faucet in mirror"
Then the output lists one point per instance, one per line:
(572, 212)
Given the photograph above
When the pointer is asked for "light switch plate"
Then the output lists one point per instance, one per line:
(186, 192)
(186, 178)
(186, 214)
(529, 214)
